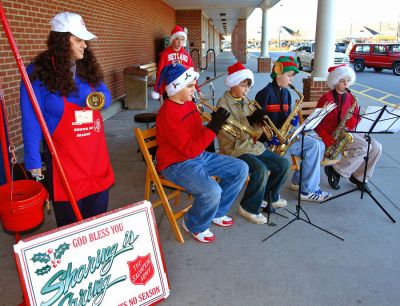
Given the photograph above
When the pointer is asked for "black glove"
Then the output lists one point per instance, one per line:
(257, 116)
(218, 119)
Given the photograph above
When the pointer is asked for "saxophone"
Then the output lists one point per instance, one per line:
(341, 137)
(287, 125)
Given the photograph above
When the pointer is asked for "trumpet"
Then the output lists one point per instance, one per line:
(233, 127)
(95, 100)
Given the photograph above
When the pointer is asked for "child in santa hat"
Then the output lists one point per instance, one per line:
(181, 158)
(175, 53)
(262, 184)
(276, 100)
(353, 164)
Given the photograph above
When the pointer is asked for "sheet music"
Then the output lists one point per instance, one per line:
(313, 119)
(389, 122)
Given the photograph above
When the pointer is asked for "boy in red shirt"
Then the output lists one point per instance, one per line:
(182, 159)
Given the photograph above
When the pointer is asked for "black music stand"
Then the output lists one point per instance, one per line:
(383, 121)
(309, 124)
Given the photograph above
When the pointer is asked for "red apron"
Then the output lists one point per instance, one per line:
(83, 153)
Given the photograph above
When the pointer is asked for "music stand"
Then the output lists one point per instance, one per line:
(376, 121)
(308, 125)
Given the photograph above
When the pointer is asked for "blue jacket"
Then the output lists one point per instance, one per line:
(52, 108)
(277, 102)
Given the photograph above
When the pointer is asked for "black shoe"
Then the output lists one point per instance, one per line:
(333, 177)
(359, 184)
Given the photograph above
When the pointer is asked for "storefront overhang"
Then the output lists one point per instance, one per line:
(223, 13)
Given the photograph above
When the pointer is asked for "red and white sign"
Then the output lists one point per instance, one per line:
(111, 259)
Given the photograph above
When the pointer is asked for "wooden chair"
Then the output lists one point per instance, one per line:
(147, 141)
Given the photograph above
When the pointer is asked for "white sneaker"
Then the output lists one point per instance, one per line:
(293, 186)
(280, 203)
(316, 196)
(264, 204)
(223, 221)
(257, 219)
(205, 237)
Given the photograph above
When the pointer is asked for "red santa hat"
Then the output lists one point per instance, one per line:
(238, 73)
(179, 31)
(337, 73)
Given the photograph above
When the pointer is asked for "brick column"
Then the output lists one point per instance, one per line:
(264, 64)
(314, 88)
(241, 37)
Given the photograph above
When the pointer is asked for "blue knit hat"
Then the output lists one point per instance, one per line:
(175, 77)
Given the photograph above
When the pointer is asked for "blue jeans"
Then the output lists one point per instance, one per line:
(262, 183)
(312, 156)
(211, 199)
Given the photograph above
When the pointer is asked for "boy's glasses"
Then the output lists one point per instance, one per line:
(244, 85)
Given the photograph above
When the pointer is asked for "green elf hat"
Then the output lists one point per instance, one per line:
(284, 64)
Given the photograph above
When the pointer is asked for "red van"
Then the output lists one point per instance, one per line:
(377, 56)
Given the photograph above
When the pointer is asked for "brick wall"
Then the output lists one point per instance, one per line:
(196, 23)
(313, 90)
(129, 32)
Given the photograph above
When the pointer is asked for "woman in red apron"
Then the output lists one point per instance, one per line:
(62, 77)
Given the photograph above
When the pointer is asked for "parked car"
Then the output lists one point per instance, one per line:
(377, 56)
(305, 56)
(340, 47)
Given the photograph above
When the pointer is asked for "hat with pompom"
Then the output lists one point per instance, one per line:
(238, 73)
(337, 73)
(179, 31)
(175, 77)
(284, 64)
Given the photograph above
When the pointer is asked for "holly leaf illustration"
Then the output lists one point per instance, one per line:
(44, 270)
(41, 257)
(59, 252)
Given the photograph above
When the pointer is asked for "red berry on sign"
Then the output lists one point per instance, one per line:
(54, 265)
(50, 251)
(58, 261)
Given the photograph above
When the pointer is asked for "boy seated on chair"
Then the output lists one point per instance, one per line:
(181, 156)
(352, 165)
(276, 100)
(267, 170)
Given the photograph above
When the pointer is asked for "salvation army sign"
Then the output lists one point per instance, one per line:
(112, 259)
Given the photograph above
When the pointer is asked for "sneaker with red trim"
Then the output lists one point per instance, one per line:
(205, 237)
(223, 221)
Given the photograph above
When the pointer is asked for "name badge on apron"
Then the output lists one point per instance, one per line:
(84, 116)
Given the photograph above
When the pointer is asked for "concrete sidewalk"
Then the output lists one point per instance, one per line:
(300, 265)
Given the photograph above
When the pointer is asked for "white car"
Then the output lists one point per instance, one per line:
(305, 56)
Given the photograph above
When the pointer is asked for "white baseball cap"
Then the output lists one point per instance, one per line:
(72, 23)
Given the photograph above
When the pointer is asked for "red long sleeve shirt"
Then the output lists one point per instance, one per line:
(167, 57)
(180, 133)
(331, 120)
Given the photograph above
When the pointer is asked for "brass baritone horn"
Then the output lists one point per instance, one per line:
(230, 124)
(95, 100)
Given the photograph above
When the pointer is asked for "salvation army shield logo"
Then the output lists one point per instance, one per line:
(141, 270)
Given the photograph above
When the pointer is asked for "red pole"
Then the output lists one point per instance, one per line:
(3, 141)
(38, 113)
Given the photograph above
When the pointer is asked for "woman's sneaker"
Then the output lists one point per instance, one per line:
(257, 219)
(205, 237)
(316, 196)
(223, 221)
